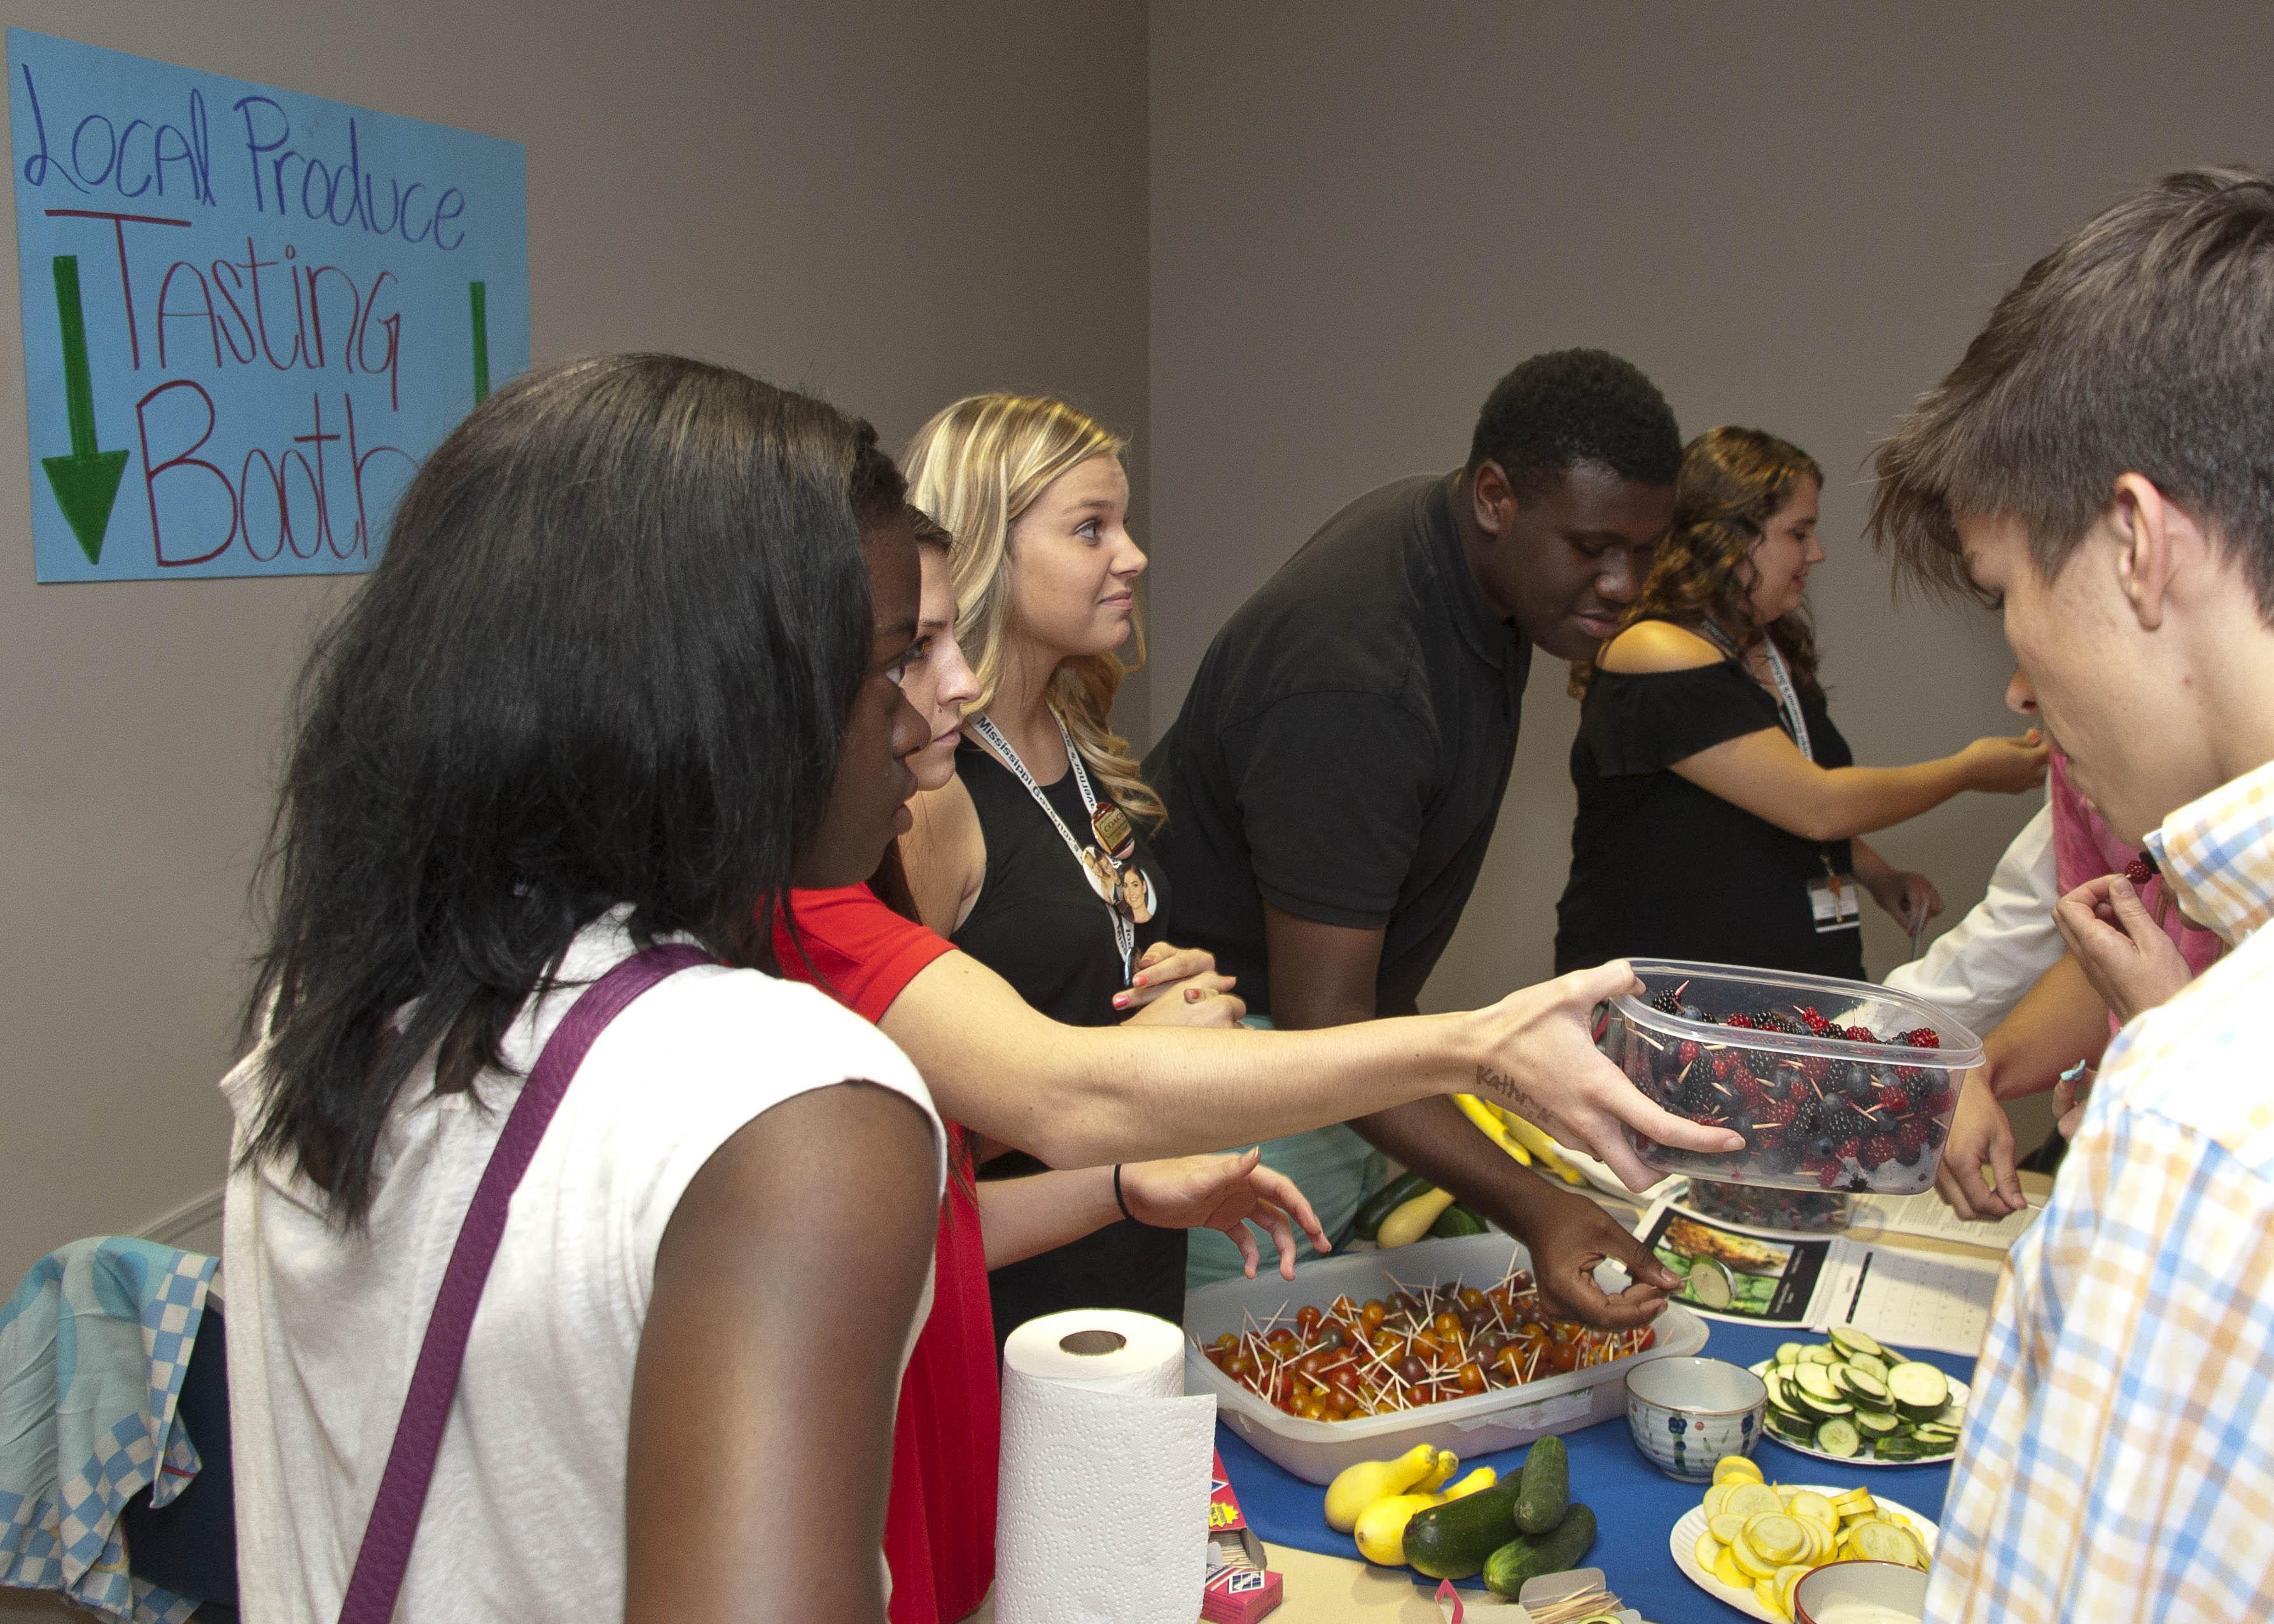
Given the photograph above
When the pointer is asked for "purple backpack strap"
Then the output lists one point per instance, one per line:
(377, 1580)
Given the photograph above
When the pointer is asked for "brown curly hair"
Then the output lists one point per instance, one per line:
(1733, 481)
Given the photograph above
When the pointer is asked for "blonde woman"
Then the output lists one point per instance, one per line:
(1026, 858)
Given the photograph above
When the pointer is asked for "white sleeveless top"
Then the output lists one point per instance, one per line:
(525, 1519)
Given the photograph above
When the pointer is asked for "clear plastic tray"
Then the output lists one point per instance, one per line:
(1819, 1111)
(1503, 1418)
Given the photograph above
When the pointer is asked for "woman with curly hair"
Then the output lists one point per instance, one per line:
(1720, 812)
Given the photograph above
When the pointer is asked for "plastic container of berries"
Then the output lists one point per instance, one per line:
(1841, 1086)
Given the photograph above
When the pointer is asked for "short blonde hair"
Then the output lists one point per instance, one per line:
(976, 467)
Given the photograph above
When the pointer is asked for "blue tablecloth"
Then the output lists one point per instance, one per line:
(1636, 1505)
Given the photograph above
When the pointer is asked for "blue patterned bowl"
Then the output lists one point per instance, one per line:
(1687, 1413)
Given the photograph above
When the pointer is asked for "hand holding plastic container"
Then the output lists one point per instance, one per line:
(1834, 1085)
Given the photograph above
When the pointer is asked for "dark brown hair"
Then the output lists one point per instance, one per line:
(1733, 481)
(2143, 344)
(605, 660)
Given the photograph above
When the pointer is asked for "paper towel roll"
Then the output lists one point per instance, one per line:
(1102, 1515)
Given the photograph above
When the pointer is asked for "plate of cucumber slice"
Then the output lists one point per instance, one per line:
(1853, 1399)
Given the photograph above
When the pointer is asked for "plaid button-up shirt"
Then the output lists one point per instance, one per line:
(2118, 1460)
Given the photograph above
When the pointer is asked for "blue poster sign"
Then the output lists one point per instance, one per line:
(248, 313)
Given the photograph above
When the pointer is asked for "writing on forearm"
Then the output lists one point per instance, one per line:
(1502, 1085)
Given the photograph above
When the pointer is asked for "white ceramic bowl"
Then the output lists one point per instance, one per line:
(1687, 1413)
(1856, 1589)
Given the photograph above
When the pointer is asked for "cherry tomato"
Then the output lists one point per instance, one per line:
(1521, 1280)
(1427, 1344)
(1307, 1322)
(1411, 1369)
(1343, 1308)
(1447, 1325)
(1240, 1363)
(1508, 1359)
(1650, 1336)
(1472, 1378)
(1283, 1341)
(1371, 1315)
(1330, 1338)
(1389, 1345)
(1471, 1298)
(1403, 1304)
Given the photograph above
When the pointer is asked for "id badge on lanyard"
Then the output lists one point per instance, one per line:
(1835, 900)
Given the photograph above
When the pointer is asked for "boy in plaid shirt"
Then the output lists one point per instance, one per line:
(2101, 464)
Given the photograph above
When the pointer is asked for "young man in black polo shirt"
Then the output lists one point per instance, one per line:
(1335, 774)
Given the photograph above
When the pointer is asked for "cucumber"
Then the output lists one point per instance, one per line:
(1788, 1353)
(1544, 1487)
(1452, 1541)
(1384, 1201)
(1839, 1437)
(1919, 1390)
(1851, 1342)
(1901, 1450)
(1816, 1353)
(1941, 1437)
(1528, 1556)
(1875, 1423)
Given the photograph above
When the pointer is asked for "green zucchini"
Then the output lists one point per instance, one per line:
(1878, 1423)
(1367, 1224)
(1544, 1487)
(1457, 1220)
(1452, 1541)
(1840, 1437)
(1919, 1390)
(1814, 1389)
(1850, 1341)
(1528, 1556)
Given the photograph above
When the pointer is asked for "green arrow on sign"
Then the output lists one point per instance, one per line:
(478, 293)
(86, 482)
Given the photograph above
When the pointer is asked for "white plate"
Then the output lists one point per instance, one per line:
(1959, 1391)
(1683, 1542)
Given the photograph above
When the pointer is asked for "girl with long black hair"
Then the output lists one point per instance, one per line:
(597, 697)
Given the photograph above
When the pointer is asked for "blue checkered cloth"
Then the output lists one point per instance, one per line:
(93, 1346)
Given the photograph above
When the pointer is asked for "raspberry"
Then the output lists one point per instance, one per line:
(1860, 1034)
(1911, 1137)
(1741, 1022)
(2141, 869)
(1811, 1017)
(1830, 1177)
(1923, 1037)
(1685, 1055)
(1893, 1099)
(1878, 1151)
(1848, 1149)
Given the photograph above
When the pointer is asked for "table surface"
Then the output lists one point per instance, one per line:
(1636, 1504)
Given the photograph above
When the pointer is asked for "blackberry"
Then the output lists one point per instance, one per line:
(1666, 1003)
(1769, 1021)
(1697, 1098)
(1842, 1120)
(1805, 1116)
(1919, 1086)
(1782, 1158)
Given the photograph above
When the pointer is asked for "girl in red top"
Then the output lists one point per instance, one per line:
(939, 1524)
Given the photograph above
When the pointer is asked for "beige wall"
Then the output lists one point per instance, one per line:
(1790, 216)
(853, 199)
